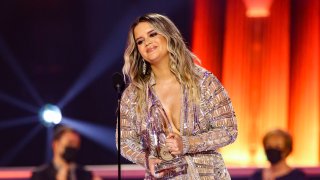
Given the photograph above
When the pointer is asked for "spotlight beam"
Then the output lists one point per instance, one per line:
(12, 153)
(94, 70)
(17, 122)
(109, 52)
(11, 61)
(101, 135)
(104, 58)
(18, 103)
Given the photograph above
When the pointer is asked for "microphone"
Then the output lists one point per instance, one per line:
(118, 82)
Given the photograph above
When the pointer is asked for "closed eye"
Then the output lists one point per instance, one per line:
(139, 42)
(153, 34)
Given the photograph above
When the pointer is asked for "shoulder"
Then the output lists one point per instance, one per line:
(201, 72)
(129, 93)
(42, 171)
(207, 81)
(257, 175)
(205, 76)
(83, 173)
(297, 173)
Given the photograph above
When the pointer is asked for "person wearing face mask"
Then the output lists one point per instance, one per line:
(66, 144)
(278, 145)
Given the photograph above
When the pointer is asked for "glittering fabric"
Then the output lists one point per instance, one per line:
(206, 127)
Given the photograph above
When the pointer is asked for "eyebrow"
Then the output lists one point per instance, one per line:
(147, 33)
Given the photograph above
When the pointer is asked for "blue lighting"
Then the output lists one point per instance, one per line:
(104, 136)
(50, 115)
(13, 63)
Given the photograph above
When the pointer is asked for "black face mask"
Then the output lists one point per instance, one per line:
(70, 154)
(273, 155)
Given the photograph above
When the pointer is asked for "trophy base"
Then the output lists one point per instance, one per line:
(177, 165)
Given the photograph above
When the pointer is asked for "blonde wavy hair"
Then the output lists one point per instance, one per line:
(181, 58)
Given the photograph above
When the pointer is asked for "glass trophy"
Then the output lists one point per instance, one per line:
(170, 163)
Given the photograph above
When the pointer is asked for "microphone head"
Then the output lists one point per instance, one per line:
(118, 82)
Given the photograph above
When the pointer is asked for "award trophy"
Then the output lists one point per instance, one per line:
(170, 163)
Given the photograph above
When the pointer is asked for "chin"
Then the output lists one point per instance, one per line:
(152, 60)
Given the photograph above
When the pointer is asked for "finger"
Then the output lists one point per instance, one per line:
(171, 135)
(169, 142)
(175, 139)
(154, 163)
(157, 161)
(174, 149)
(176, 152)
(171, 149)
(171, 145)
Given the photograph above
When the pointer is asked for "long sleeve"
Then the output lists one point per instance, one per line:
(218, 123)
(131, 147)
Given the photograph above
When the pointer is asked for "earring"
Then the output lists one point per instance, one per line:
(144, 67)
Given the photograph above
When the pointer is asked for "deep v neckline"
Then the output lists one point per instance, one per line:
(170, 122)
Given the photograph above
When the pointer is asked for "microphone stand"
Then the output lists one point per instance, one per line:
(118, 84)
(118, 118)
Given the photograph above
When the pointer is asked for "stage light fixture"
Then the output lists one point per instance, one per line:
(50, 115)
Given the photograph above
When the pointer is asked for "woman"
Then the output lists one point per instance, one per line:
(174, 114)
(278, 145)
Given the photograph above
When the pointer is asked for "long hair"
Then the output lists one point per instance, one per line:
(181, 58)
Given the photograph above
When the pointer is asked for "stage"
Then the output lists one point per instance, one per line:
(134, 172)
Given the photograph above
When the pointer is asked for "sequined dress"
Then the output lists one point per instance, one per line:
(205, 127)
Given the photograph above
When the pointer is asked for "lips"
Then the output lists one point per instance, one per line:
(151, 49)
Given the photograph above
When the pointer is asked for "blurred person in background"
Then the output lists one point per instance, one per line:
(66, 144)
(278, 145)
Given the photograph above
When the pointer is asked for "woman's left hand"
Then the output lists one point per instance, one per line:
(174, 143)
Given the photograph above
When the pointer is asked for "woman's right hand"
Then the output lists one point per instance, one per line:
(152, 163)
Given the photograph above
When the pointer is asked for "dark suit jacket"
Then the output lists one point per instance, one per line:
(295, 174)
(49, 172)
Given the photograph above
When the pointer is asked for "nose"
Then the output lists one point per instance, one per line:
(148, 41)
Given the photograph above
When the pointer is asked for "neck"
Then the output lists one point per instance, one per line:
(58, 161)
(162, 71)
(279, 169)
(282, 165)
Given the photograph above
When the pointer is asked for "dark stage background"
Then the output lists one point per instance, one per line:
(64, 52)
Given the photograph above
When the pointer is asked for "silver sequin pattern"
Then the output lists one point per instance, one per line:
(207, 126)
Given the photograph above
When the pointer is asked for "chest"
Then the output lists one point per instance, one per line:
(170, 97)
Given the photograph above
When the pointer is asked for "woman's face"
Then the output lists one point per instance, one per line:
(275, 149)
(151, 45)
